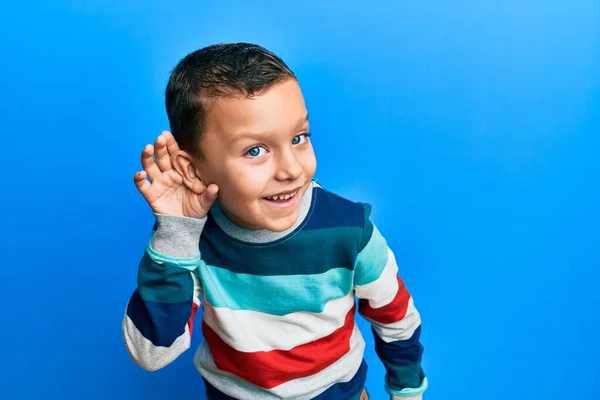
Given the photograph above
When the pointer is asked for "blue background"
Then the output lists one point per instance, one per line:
(471, 127)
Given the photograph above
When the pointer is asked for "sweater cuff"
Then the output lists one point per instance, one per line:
(417, 397)
(409, 393)
(176, 238)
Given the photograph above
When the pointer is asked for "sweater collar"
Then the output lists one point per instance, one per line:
(262, 235)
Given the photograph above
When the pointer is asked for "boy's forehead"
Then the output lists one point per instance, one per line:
(256, 134)
(279, 108)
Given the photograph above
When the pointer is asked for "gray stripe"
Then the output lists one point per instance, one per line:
(145, 354)
(400, 330)
(261, 235)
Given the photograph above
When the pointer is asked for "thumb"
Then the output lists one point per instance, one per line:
(208, 197)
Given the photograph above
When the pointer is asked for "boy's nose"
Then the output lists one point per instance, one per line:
(288, 167)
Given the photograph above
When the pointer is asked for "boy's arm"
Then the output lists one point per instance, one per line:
(388, 306)
(158, 322)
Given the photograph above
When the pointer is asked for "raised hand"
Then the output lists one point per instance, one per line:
(165, 190)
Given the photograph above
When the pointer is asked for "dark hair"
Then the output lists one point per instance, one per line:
(220, 70)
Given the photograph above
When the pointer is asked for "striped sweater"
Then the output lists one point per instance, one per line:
(279, 308)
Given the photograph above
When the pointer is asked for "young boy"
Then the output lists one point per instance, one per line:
(275, 259)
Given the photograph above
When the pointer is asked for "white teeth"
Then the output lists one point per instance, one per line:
(283, 197)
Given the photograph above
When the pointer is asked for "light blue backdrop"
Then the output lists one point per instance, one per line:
(471, 126)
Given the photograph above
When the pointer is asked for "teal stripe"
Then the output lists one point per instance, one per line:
(164, 283)
(274, 294)
(371, 261)
(406, 377)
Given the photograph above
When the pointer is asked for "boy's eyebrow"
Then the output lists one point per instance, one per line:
(250, 135)
(302, 121)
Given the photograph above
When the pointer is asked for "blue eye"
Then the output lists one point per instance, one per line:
(255, 151)
(298, 138)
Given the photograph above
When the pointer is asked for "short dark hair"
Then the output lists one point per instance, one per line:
(216, 71)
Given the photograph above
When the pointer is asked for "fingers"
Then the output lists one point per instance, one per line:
(172, 145)
(162, 155)
(140, 181)
(208, 197)
(148, 163)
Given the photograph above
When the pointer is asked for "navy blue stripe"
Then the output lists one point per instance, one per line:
(330, 239)
(346, 390)
(400, 352)
(368, 227)
(333, 211)
(402, 361)
(161, 323)
(342, 390)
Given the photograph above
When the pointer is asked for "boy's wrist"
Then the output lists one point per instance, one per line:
(177, 236)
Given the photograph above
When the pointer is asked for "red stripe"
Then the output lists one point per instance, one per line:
(268, 369)
(392, 312)
(191, 320)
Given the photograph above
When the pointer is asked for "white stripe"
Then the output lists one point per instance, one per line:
(145, 354)
(400, 330)
(198, 291)
(381, 291)
(251, 331)
(298, 389)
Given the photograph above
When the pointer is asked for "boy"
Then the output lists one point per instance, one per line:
(276, 259)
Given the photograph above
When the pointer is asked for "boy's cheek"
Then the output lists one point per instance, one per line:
(242, 186)
(309, 160)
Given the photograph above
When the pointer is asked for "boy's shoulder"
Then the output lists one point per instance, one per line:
(331, 210)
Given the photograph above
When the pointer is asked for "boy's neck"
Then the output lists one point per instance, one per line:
(261, 235)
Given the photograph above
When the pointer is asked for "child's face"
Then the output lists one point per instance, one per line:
(256, 148)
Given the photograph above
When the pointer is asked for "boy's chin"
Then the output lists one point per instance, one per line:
(280, 224)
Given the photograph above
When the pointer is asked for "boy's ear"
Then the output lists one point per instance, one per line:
(184, 164)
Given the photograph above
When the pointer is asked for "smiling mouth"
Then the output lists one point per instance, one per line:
(283, 197)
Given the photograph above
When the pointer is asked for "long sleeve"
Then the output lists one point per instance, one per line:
(158, 321)
(396, 324)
